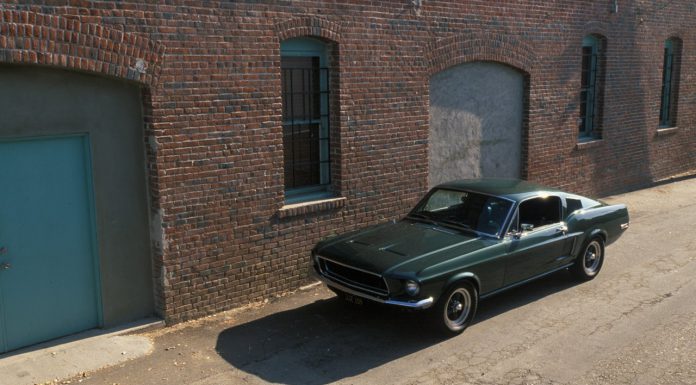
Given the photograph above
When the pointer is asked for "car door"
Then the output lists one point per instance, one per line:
(541, 249)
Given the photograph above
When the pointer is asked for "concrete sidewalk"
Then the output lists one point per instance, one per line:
(76, 355)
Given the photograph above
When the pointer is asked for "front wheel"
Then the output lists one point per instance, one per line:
(590, 260)
(455, 309)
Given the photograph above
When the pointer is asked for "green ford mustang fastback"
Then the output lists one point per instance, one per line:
(467, 240)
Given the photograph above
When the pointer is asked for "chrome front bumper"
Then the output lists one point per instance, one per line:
(421, 304)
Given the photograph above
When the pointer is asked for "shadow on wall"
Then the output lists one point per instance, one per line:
(330, 340)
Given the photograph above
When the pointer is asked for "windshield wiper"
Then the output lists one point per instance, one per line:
(455, 223)
(442, 222)
(422, 218)
(459, 225)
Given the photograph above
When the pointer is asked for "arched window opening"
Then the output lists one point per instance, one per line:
(592, 87)
(670, 82)
(305, 78)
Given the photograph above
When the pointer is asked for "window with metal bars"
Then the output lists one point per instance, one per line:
(669, 83)
(590, 92)
(305, 80)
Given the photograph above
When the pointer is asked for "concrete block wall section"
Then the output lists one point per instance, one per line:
(213, 113)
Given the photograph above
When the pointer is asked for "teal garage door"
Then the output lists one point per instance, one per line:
(48, 278)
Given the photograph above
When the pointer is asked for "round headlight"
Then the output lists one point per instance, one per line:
(412, 288)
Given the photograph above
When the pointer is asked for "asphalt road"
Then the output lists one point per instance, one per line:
(634, 324)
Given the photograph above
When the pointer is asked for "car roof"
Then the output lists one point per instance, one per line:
(514, 189)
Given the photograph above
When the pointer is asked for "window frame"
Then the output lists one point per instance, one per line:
(589, 127)
(307, 46)
(670, 83)
(516, 214)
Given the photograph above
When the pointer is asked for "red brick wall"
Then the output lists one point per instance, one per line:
(213, 113)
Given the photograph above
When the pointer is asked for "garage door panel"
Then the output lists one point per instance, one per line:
(50, 288)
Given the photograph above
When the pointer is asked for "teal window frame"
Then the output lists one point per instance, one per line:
(669, 85)
(590, 92)
(307, 47)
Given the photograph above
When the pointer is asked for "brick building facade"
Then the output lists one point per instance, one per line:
(223, 233)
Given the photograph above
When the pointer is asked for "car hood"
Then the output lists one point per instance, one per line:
(404, 247)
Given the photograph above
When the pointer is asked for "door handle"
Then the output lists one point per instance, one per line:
(3, 250)
(5, 266)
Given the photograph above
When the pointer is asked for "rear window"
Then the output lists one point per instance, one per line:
(588, 203)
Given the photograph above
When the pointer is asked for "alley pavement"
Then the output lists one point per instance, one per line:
(634, 324)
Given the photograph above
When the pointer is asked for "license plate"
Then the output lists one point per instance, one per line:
(353, 299)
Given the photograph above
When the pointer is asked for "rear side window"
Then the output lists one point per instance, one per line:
(541, 211)
(573, 204)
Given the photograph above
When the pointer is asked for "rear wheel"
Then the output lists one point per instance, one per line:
(455, 309)
(590, 260)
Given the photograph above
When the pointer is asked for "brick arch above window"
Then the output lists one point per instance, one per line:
(595, 28)
(675, 37)
(308, 26)
(598, 37)
(675, 34)
(34, 38)
(458, 49)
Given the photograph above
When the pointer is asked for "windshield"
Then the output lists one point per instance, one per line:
(464, 209)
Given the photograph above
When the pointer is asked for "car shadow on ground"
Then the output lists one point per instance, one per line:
(330, 339)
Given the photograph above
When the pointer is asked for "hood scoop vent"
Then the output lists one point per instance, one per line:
(393, 252)
(387, 248)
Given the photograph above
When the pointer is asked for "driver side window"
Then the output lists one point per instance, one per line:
(540, 211)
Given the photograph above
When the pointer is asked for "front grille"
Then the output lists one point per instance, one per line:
(354, 278)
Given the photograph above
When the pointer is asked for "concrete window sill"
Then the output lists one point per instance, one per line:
(303, 208)
(664, 131)
(586, 145)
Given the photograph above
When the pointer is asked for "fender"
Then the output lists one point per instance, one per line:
(464, 275)
(598, 232)
(580, 243)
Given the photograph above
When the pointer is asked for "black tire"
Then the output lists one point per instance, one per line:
(455, 309)
(589, 261)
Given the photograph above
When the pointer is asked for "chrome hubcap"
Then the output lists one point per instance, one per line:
(458, 308)
(592, 257)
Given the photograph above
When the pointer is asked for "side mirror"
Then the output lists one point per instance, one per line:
(524, 228)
